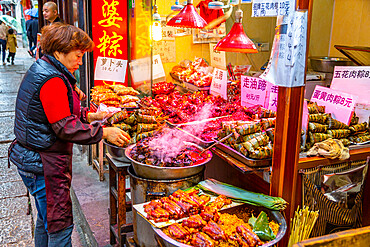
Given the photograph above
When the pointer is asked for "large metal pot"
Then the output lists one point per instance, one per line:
(117, 153)
(165, 241)
(327, 64)
(154, 172)
(144, 190)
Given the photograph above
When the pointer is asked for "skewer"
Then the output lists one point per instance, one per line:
(214, 144)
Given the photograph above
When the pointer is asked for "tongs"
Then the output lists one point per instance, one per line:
(203, 121)
(217, 142)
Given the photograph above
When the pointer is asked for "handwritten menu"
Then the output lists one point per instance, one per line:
(166, 49)
(286, 66)
(253, 91)
(110, 69)
(354, 79)
(341, 105)
(219, 83)
(218, 58)
(272, 95)
(270, 7)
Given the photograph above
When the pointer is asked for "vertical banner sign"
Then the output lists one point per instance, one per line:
(270, 8)
(253, 91)
(219, 83)
(272, 97)
(109, 33)
(354, 79)
(286, 66)
(340, 105)
(218, 58)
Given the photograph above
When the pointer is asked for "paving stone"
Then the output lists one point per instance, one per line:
(12, 207)
(12, 189)
(8, 174)
(4, 150)
(23, 243)
(7, 122)
(15, 229)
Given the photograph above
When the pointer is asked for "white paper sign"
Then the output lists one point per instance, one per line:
(286, 66)
(339, 104)
(219, 83)
(110, 69)
(158, 70)
(253, 91)
(218, 58)
(270, 8)
(353, 79)
(272, 95)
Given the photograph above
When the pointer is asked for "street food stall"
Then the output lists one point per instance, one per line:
(200, 110)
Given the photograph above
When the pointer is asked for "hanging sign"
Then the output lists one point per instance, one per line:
(354, 79)
(218, 58)
(158, 70)
(219, 83)
(272, 97)
(140, 69)
(110, 69)
(286, 66)
(341, 105)
(270, 8)
(253, 91)
(109, 31)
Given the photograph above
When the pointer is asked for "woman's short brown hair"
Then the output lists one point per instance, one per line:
(64, 38)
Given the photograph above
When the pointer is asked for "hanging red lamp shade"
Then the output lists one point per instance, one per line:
(236, 40)
(187, 18)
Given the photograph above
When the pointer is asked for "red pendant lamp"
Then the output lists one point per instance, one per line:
(236, 40)
(187, 18)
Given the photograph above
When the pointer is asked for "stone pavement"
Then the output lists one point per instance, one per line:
(15, 218)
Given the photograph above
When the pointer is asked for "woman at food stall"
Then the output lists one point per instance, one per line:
(48, 120)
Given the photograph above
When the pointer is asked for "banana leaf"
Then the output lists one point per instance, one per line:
(212, 185)
(261, 227)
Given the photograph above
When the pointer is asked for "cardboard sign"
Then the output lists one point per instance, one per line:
(110, 69)
(341, 105)
(218, 58)
(270, 8)
(219, 83)
(253, 91)
(353, 79)
(272, 97)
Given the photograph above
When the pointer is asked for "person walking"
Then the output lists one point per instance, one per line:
(3, 33)
(11, 45)
(48, 120)
(32, 27)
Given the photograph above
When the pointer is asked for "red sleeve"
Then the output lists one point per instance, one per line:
(54, 99)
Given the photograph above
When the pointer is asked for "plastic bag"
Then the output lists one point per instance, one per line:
(109, 109)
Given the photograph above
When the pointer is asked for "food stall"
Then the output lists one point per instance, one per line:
(185, 99)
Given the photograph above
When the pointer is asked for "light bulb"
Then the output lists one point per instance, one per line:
(156, 26)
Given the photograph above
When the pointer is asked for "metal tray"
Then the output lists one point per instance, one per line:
(192, 87)
(164, 240)
(117, 153)
(248, 161)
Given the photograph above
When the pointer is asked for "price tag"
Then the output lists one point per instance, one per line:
(219, 83)
(110, 69)
(354, 79)
(158, 70)
(340, 105)
(253, 91)
(218, 58)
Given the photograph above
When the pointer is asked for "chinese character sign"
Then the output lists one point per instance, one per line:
(353, 79)
(219, 83)
(110, 69)
(270, 7)
(253, 91)
(341, 105)
(218, 58)
(272, 96)
(109, 33)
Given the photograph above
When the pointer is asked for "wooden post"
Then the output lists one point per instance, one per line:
(287, 140)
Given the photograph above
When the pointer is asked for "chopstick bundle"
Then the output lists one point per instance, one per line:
(302, 224)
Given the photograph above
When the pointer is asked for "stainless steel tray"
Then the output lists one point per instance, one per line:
(165, 241)
(248, 161)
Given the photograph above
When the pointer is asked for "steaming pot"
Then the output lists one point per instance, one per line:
(155, 172)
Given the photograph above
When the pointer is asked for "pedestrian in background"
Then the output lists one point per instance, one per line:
(11, 45)
(50, 12)
(32, 27)
(3, 33)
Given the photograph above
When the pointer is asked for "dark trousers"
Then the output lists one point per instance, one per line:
(11, 56)
(32, 43)
(3, 48)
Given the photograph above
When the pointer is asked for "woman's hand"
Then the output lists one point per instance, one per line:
(97, 116)
(116, 136)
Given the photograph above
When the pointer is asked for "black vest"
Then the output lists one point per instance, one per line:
(31, 127)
